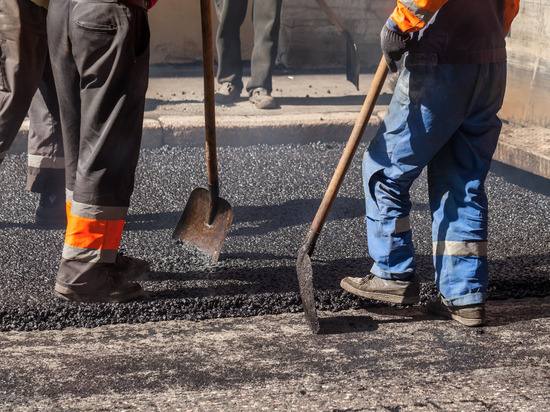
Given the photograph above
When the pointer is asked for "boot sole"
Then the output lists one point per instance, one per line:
(460, 319)
(384, 297)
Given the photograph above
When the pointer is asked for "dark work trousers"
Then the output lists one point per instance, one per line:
(25, 72)
(100, 60)
(266, 17)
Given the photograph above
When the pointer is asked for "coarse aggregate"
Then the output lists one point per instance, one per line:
(275, 191)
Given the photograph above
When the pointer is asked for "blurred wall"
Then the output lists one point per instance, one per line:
(309, 40)
(528, 88)
(176, 31)
(307, 37)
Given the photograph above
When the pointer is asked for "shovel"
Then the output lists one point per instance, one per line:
(303, 263)
(206, 218)
(352, 59)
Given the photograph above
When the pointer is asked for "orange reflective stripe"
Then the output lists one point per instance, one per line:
(68, 208)
(406, 20)
(414, 17)
(511, 10)
(430, 5)
(93, 234)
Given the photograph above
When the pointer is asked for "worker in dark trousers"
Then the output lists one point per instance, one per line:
(266, 17)
(100, 60)
(443, 115)
(25, 72)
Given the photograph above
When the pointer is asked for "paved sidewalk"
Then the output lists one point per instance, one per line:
(314, 106)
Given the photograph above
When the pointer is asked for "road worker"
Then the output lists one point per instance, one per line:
(443, 115)
(266, 16)
(25, 72)
(100, 60)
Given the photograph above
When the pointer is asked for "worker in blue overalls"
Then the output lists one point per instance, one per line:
(443, 115)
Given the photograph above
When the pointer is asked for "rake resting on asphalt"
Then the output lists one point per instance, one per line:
(206, 218)
(304, 269)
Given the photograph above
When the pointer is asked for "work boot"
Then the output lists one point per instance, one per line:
(227, 93)
(386, 290)
(115, 289)
(262, 99)
(130, 268)
(51, 211)
(469, 315)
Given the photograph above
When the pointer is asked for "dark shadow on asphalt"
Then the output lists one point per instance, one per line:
(292, 213)
(521, 178)
(384, 99)
(269, 218)
(338, 325)
(153, 104)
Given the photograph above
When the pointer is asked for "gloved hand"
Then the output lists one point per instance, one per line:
(393, 44)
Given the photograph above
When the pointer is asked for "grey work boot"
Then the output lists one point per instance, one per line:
(227, 93)
(51, 211)
(262, 99)
(469, 315)
(385, 290)
(115, 289)
(130, 268)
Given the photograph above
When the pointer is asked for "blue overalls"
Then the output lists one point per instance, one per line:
(443, 115)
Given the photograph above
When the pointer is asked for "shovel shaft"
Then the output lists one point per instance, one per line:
(350, 149)
(334, 20)
(209, 104)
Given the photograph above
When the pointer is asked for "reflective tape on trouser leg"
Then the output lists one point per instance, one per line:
(461, 271)
(93, 232)
(460, 248)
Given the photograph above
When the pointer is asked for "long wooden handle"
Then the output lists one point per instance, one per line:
(351, 147)
(209, 104)
(328, 11)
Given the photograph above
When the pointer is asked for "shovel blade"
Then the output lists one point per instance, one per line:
(304, 271)
(193, 227)
(352, 60)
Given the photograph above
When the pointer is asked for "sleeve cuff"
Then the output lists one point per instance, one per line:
(390, 24)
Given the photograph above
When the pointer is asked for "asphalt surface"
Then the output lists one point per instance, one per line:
(379, 359)
(275, 191)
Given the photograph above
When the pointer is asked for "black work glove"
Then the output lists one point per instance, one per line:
(393, 46)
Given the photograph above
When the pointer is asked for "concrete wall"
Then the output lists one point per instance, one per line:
(528, 90)
(309, 40)
(176, 31)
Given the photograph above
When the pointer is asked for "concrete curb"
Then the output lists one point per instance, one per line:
(525, 148)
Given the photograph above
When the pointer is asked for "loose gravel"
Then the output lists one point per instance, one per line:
(275, 191)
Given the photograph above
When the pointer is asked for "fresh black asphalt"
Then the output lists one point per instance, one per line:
(275, 191)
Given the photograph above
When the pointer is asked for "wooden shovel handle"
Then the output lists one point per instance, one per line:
(351, 147)
(334, 20)
(209, 104)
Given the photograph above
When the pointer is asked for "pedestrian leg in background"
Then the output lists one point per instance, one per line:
(266, 16)
(46, 164)
(102, 129)
(23, 50)
(231, 14)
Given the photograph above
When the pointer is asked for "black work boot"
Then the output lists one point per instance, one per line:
(262, 99)
(115, 289)
(51, 211)
(469, 315)
(130, 268)
(385, 290)
(227, 93)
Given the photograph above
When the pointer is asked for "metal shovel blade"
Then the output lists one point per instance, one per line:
(305, 281)
(352, 60)
(193, 227)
